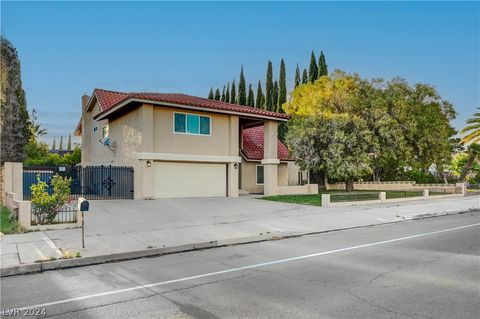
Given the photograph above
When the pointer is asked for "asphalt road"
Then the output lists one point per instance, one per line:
(419, 269)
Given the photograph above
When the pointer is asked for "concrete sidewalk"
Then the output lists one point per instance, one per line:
(118, 230)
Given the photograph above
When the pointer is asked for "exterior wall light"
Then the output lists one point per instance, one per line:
(235, 165)
(149, 164)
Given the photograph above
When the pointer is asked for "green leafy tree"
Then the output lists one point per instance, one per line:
(282, 87)
(233, 97)
(36, 152)
(269, 88)
(227, 93)
(210, 94)
(410, 126)
(45, 206)
(322, 65)
(313, 69)
(38, 155)
(217, 95)
(251, 97)
(304, 76)
(259, 102)
(333, 143)
(298, 79)
(462, 160)
(242, 89)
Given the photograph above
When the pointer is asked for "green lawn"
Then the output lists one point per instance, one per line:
(314, 200)
(342, 196)
(7, 226)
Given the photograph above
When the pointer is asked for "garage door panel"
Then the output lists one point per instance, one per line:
(172, 179)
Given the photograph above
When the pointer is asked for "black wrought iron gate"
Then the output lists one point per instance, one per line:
(92, 182)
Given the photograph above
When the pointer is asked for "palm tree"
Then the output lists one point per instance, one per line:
(35, 129)
(473, 128)
(471, 139)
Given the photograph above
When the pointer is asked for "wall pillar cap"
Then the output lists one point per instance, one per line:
(267, 161)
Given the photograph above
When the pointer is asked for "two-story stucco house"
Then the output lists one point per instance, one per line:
(186, 146)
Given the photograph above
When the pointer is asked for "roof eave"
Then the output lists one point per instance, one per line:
(104, 114)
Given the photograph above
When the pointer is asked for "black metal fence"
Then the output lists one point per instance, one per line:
(91, 182)
(353, 196)
(67, 214)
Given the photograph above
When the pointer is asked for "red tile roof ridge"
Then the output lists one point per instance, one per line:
(110, 98)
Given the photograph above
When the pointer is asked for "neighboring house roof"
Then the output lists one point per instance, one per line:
(253, 145)
(109, 100)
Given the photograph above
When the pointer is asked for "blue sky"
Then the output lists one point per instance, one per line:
(69, 48)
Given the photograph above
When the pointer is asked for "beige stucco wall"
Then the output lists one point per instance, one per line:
(149, 129)
(93, 152)
(293, 170)
(248, 176)
(218, 143)
(129, 135)
(397, 186)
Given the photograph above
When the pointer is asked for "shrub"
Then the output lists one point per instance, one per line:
(421, 177)
(47, 206)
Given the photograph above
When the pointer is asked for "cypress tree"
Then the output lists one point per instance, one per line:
(322, 65)
(223, 94)
(297, 76)
(217, 95)
(242, 89)
(304, 76)
(313, 70)
(54, 145)
(282, 87)
(259, 103)
(210, 94)
(69, 143)
(60, 147)
(233, 98)
(269, 88)
(227, 93)
(251, 98)
(275, 95)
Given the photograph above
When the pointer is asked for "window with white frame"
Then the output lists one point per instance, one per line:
(259, 174)
(192, 124)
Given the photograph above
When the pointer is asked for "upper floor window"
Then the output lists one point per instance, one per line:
(192, 124)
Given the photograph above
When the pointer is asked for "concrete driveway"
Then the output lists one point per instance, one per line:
(159, 214)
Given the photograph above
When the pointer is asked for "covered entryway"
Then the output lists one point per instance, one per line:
(176, 179)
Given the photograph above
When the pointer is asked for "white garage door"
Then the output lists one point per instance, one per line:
(189, 179)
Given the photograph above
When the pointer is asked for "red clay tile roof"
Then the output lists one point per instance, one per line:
(253, 145)
(108, 99)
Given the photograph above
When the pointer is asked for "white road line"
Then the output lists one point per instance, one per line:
(279, 261)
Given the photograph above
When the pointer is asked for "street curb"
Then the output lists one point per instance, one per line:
(41, 266)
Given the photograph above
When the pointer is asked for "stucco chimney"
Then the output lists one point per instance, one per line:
(85, 99)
